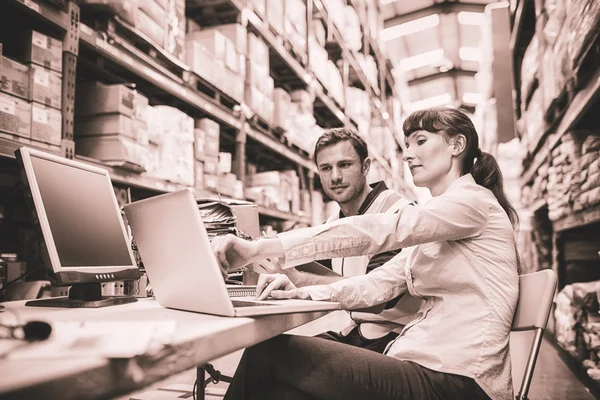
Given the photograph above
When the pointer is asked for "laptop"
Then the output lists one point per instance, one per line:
(183, 270)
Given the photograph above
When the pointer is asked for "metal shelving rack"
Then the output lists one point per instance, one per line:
(112, 48)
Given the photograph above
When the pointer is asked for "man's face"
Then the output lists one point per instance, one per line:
(342, 175)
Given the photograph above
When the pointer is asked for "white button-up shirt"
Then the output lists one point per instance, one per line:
(464, 265)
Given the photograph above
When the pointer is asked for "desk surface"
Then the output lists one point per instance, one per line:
(198, 338)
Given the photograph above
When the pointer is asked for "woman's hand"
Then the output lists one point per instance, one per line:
(269, 266)
(233, 252)
(278, 286)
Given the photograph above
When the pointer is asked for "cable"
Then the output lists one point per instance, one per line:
(25, 275)
(194, 389)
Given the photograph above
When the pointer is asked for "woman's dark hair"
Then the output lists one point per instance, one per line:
(337, 135)
(483, 166)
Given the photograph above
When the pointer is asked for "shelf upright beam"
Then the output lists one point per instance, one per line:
(70, 53)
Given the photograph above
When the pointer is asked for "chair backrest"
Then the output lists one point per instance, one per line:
(536, 292)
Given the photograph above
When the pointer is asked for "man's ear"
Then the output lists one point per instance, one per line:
(460, 144)
(366, 166)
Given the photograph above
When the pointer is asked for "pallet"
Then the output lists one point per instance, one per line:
(201, 85)
(131, 38)
(212, 12)
(299, 56)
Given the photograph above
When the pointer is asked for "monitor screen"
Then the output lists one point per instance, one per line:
(82, 216)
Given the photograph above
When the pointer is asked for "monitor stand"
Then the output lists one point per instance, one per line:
(83, 295)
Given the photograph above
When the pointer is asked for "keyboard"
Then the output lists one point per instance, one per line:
(242, 303)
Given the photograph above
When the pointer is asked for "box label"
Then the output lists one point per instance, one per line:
(41, 77)
(39, 40)
(39, 115)
(8, 106)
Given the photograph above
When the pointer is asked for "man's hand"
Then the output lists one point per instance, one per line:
(278, 286)
(233, 252)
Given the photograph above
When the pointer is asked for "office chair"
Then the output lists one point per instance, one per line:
(536, 293)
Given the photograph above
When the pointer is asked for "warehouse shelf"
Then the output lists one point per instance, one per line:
(374, 92)
(282, 215)
(126, 56)
(277, 45)
(575, 111)
(47, 12)
(134, 179)
(578, 219)
(9, 144)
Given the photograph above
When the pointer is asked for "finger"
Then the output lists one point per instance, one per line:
(263, 280)
(285, 294)
(275, 284)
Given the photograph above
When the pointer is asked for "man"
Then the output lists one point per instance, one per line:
(343, 164)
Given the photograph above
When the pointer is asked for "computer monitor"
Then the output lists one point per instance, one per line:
(83, 238)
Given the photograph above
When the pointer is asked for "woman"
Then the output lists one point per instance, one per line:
(464, 265)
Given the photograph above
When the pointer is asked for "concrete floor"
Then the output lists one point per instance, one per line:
(553, 380)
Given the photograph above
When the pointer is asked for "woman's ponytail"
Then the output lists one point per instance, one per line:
(486, 172)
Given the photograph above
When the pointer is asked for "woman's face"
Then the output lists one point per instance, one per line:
(429, 157)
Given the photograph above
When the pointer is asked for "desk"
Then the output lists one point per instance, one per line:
(198, 339)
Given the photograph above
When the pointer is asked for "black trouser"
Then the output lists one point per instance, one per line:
(305, 368)
(354, 338)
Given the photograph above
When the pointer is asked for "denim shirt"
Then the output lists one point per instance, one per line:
(463, 265)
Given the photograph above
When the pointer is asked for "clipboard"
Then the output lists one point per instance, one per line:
(316, 268)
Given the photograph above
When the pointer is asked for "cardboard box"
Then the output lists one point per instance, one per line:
(276, 15)
(225, 163)
(211, 165)
(125, 9)
(149, 27)
(45, 87)
(258, 51)
(199, 143)
(140, 107)
(175, 30)
(42, 50)
(114, 149)
(238, 36)
(282, 103)
(259, 7)
(232, 61)
(212, 131)
(15, 116)
(199, 175)
(15, 78)
(212, 40)
(46, 124)
(105, 125)
(200, 60)
(96, 99)
(210, 181)
(155, 11)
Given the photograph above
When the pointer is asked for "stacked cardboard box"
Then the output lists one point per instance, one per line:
(279, 189)
(590, 171)
(38, 83)
(260, 85)
(564, 178)
(107, 125)
(160, 21)
(295, 24)
(218, 54)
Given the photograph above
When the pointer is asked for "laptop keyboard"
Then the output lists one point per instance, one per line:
(241, 303)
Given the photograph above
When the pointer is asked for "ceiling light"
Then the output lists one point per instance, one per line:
(470, 54)
(471, 98)
(471, 18)
(429, 102)
(407, 28)
(421, 60)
